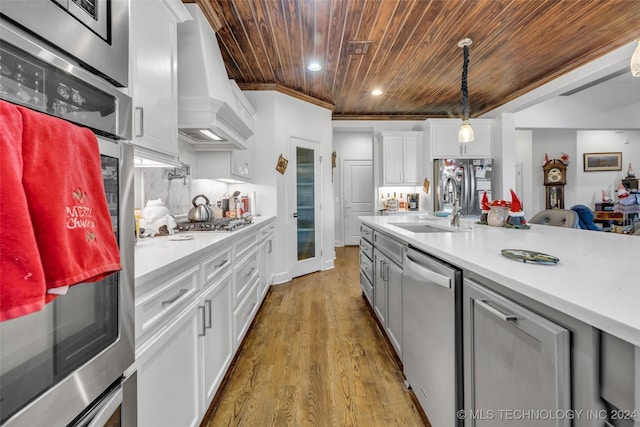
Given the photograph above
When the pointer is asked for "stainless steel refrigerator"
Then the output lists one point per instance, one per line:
(469, 178)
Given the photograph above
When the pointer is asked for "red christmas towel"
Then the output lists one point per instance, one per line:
(65, 194)
(22, 283)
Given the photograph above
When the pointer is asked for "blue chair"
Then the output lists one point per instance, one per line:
(585, 218)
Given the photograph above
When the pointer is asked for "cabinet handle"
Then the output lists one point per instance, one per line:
(250, 272)
(506, 317)
(208, 302)
(175, 298)
(140, 113)
(204, 326)
(221, 264)
(270, 246)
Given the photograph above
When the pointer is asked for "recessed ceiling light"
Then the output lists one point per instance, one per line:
(314, 66)
(376, 92)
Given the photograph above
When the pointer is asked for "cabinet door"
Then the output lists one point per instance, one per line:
(393, 160)
(267, 261)
(217, 348)
(394, 307)
(411, 156)
(514, 360)
(481, 145)
(242, 162)
(168, 374)
(381, 271)
(154, 87)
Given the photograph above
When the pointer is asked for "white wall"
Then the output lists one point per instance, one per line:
(279, 118)
(591, 183)
(553, 142)
(582, 187)
(524, 183)
(349, 144)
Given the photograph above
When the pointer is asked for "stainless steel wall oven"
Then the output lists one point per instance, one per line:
(69, 363)
(94, 32)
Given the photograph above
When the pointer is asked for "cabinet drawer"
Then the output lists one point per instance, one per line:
(266, 232)
(367, 288)
(245, 272)
(366, 265)
(243, 315)
(245, 244)
(157, 307)
(366, 247)
(366, 233)
(215, 266)
(390, 247)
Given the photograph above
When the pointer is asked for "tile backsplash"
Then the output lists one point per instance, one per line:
(177, 194)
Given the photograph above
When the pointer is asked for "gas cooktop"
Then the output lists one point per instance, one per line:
(218, 224)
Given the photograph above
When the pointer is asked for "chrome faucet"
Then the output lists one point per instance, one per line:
(454, 218)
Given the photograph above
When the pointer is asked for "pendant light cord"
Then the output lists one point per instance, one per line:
(465, 92)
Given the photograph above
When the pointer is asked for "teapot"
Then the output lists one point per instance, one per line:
(200, 212)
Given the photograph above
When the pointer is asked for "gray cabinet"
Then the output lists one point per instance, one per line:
(387, 287)
(366, 262)
(514, 360)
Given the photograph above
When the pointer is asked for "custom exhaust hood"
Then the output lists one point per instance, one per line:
(212, 111)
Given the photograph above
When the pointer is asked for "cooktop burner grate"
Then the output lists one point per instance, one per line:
(219, 224)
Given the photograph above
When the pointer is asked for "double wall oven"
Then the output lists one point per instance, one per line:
(71, 363)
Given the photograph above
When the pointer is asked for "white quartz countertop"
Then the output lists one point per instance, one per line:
(154, 255)
(596, 281)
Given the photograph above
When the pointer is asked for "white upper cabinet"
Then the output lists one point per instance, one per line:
(443, 138)
(401, 157)
(154, 87)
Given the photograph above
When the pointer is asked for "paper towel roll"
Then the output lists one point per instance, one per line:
(252, 203)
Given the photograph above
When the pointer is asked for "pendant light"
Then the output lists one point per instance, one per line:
(635, 61)
(465, 134)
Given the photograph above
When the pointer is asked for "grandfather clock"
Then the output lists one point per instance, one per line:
(555, 178)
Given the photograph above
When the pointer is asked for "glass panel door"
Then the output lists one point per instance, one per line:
(305, 192)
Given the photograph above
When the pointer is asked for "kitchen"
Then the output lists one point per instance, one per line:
(277, 120)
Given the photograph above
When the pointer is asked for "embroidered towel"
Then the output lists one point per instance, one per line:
(63, 184)
(22, 283)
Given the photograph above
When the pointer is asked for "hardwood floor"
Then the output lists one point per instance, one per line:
(315, 357)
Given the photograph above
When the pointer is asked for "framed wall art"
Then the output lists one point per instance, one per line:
(281, 166)
(602, 161)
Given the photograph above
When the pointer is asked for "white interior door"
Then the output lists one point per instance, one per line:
(357, 193)
(305, 209)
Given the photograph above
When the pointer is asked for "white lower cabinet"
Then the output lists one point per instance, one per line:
(217, 341)
(267, 258)
(169, 376)
(243, 314)
(189, 324)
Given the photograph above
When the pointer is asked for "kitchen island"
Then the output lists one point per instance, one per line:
(596, 281)
(484, 334)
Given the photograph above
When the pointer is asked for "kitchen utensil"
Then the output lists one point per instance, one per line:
(200, 212)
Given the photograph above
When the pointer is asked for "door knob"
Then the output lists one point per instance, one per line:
(295, 214)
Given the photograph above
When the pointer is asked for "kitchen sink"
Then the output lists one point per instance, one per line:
(418, 227)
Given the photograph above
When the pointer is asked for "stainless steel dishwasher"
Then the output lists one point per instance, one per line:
(431, 335)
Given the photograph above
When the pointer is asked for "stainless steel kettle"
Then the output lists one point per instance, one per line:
(200, 212)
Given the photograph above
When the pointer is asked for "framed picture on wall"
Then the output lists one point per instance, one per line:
(602, 161)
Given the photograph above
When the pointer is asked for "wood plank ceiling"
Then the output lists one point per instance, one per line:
(414, 56)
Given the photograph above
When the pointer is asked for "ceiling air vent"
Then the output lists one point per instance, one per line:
(355, 47)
